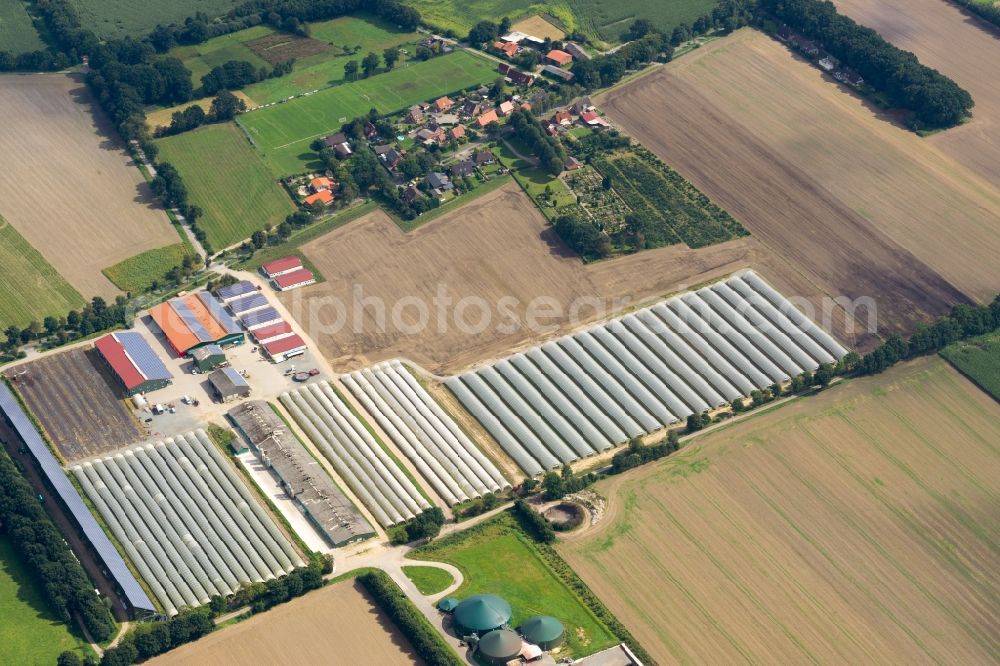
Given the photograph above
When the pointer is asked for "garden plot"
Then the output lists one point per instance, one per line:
(186, 521)
(357, 455)
(588, 392)
(439, 449)
(602, 205)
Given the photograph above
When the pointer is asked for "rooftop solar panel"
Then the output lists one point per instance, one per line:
(190, 320)
(143, 356)
(112, 560)
(241, 288)
(261, 317)
(247, 303)
(219, 313)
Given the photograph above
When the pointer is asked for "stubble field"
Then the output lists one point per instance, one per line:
(68, 187)
(858, 526)
(959, 46)
(497, 251)
(860, 206)
(336, 624)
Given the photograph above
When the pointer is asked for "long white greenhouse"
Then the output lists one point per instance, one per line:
(441, 452)
(593, 390)
(186, 520)
(357, 456)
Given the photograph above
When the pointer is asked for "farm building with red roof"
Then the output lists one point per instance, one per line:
(558, 58)
(195, 320)
(294, 280)
(133, 362)
(273, 269)
(285, 348)
(273, 332)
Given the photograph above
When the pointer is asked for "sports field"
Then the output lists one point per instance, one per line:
(29, 633)
(117, 18)
(32, 288)
(498, 558)
(283, 133)
(861, 525)
(877, 211)
(226, 178)
(337, 624)
(978, 359)
(17, 34)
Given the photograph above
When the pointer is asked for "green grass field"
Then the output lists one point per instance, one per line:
(461, 15)
(17, 33)
(29, 633)
(32, 288)
(283, 133)
(136, 274)
(498, 558)
(979, 359)
(429, 580)
(201, 58)
(117, 18)
(226, 178)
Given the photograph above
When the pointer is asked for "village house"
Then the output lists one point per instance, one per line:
(411, 194)
(323, 197)
(487, 118)
(591, 119)
(339, 144)
(505, 108)
(415, 114)
(562, 118)
(462, 169)
(508, 49)
(439, 183)
(391, 158)
(516, 76)
(582, 106)
(456, 133)
(442, 104)
(483, 157)
(558, 58)
(572, 164)
(321, 183)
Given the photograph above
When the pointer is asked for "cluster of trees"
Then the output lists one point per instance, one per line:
(225, 106)
(964, 321)
(985, 10)
(368, 66)
(424, 638)
(606, 70)
(152, 638)
(583, 236)
(96, 316)
(426, 525)
(37, 540)
(549, 149)
(935, 100)
(477, 506)
(488, 31)
(558, 485)
(273, 236)
(235, 74)
(535, 524)
(636, 454)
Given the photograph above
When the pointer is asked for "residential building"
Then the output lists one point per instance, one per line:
(323, 197)
(487, 118)
(558, 58)
(442, 104)
(505, 108)
(439, 181)
(462, 169)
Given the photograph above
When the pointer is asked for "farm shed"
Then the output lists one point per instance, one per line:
(237, 290)
(499, 646)
(208, 358)
(357, 456)
(133, 362)
(590, 391)
(281, 266)
(261, 318)
(229, 384)
(129, 590)
(300, 278)
(327, 508)
(445, 457)
(480, 614)
(273, 332)
(558, 58)
(195, 320)
(285, 348)
(544, 631)
(556, 72)
(187, 522)
(248, 304)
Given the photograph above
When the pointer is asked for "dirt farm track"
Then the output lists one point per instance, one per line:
(858, 526)
(494, 248)
(67, 187)
(337, 624)
(860, 206)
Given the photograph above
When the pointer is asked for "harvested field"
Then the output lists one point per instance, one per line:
(338, 623)
(279, 47)
(860, 206)
(53, 172)
(497, 247)
(537, 26)
(857, 526)
(78, 403)
(964, 48)
(162, 117)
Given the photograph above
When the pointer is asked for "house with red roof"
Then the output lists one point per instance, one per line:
(487, 118)
(505, 108)
(558, 58)
(442, 104)
(323, 197)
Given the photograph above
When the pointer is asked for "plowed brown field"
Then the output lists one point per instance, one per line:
(961, 47)
(858, 526)
(338, 624)
(496, 247)
(67, 186)
(860, 206)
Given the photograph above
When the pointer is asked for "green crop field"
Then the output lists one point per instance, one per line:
(460, 15)
(117, 18)
(29, 633)
(32, 288)
(17, 34)
(136, 274)
(283, 133)
(429, 580)
(978, 359)
(498, 558)
(226, 178)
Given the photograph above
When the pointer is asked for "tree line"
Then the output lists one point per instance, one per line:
(67, 588)
(424, 638)
(425, 525)
(984, 10)
(94, 317)
(934, 99)
(549, 150)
